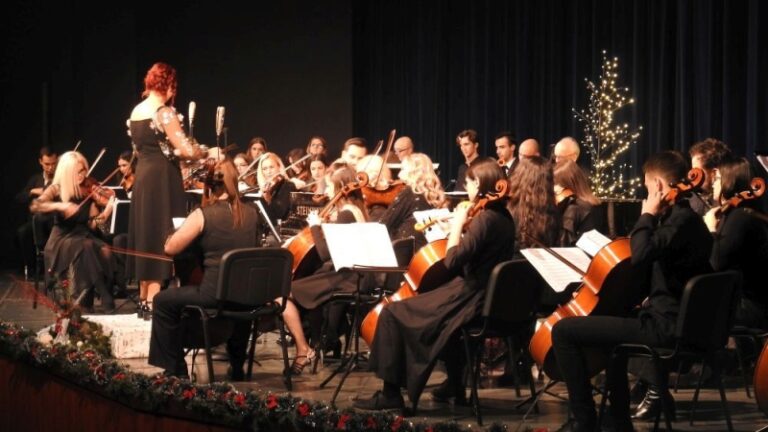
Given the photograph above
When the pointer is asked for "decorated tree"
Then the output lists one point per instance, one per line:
(605, 139)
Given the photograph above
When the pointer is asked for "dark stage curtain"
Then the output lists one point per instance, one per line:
(696, 68)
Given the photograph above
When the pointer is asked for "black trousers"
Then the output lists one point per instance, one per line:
(166, 342)
(572, 337)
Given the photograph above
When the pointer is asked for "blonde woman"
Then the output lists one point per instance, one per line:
(272, 183)
(72, 243)
(423, 191)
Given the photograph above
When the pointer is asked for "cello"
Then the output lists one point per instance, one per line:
(302, 246)
(426, 271)
(602, 291)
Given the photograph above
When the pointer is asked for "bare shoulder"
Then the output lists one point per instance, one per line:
(144, 110)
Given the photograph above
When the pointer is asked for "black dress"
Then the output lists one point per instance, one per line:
(741, 243)
(578, 217)
(158, 197)
(410, 334)
(72, 243)
(217, 238)
(280, 205)
(313, 291)
(399, 218)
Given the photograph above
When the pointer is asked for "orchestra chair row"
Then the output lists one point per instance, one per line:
(250, 279)
(701, 332)
(509, 310)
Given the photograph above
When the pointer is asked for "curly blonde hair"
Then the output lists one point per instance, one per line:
(532, 203)
(418, 173)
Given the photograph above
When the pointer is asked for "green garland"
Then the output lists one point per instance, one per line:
(253, 410)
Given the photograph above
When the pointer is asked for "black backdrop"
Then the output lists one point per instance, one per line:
(431, 69)
(289, 69)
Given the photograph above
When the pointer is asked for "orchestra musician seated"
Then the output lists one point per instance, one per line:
(669, 245)
(276, 191)
(412, 334)
(73, 243)
(221, 224)
(317, 170)
(575, 202)
(379, 179)
(298, 173)
(740, 239)
(312, 292)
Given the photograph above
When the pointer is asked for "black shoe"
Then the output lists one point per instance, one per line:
(447, 391)
(574, 425)
(613, 424)
(235, 373)
(637, 394)
(379, 401)
(651, 406)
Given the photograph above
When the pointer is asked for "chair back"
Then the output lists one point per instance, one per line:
(404, 249)
(254, 276)
(513, 292)
(706, 310)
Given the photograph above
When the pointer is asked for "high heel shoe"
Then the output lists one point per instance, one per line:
(297, 367)
(147, 308)
(140, 309)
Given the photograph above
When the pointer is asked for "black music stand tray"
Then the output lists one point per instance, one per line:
(350, 361)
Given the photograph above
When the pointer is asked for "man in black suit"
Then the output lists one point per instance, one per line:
(505, 150)
(468, 144)
(43, 222)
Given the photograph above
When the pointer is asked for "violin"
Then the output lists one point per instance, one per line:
(302, 246)
(690, 184)
(385, 197)
(90, 187)
(127, 182)
(427, 271)
(501, 191)
(501, 162)
(270, 186)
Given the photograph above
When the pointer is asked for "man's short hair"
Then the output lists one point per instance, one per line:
(355, 141)
(712, 151)
(48, 152)
(669, 164)
(471, 134)
(508, 135)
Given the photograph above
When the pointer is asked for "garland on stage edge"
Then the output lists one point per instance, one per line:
(220, 402)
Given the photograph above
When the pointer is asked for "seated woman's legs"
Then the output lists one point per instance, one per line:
(304, 354)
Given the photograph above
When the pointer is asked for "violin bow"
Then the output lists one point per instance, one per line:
(96, 161)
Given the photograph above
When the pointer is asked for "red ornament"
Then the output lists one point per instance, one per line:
(397, 423)
(303, 409)
(343, 419)
(271, 402)
(118, 376)
(189, 393)
(239, 399)
(370, 423)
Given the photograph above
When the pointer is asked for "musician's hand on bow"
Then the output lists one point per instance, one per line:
(460, 214)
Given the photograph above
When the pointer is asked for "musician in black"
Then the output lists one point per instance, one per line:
(411, 334)
(275, 189)
(670, 244)
(707, 156)
(41, 223)
(741, 240)
(576, 203)
(222, 223)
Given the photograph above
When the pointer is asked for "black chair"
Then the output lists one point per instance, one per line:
(703, 324)
(509, 310)
(755, 337)
(250, 280)
(360, 302)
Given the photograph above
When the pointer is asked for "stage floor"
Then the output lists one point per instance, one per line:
(497, 402)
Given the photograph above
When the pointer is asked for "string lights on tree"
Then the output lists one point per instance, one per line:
(606, 140)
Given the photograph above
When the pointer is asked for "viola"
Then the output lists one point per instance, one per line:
(385, 197)
(685, 187)
(270, 186)
(302, 246)
(427, 270)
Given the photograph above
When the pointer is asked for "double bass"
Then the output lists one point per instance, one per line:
(302, 246)
(426, 271)
(602, 291)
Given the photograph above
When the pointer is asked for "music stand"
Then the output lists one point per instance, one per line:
(350, 361)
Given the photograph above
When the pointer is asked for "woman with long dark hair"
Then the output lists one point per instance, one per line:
(575, 202)
(411, 334)
(222, 223)
(532, 203)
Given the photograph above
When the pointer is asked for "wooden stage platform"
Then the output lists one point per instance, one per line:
(498, 402)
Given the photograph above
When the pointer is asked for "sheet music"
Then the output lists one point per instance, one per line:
(592, 241)
(435, 232)
(557, 274)
(361, 244)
